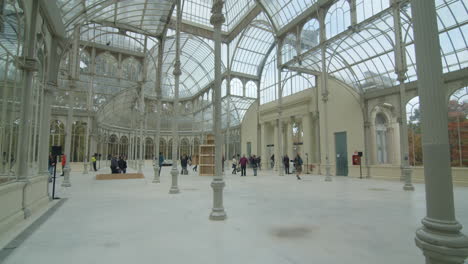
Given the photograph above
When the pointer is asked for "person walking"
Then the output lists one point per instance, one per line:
(298, 165)
(93, 160)
(243, 163)
(161, 161)
(286, 164)
(272, 161)
(64, 162)
(234, 165)
(254, 165)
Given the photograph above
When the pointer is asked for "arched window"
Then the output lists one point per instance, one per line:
(368, 8)
(288, 48)
(106, 65)
(458, 127)
(381, 138)
(196, 146)
(57, 134)
(310, 35)
(112, 145)
(184, 147)
(338, 18)
(414, 132)
(169, 149)
(149, 148)
(78, 142)
(131, 69)
(268, 82)
(251, 89)
(237, 87)
(123, 146)
(163, 148)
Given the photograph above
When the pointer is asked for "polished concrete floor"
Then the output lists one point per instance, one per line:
(271, 219)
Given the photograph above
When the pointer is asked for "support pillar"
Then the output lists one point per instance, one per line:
(68, 136)
(440, 237)
(45, 132)
(177, 72)
(289, 138)
(217, 19)
(157, 176)
(265, 159)
(307, 140)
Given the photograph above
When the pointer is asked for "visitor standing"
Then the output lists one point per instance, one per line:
(161, 161)
(298, 165)
(93, 160)
(286, 163)
(254, 165)
(64, 162)
(114, 165)
(183, 164)
(272, 161)
(234, 165)
(243, 163)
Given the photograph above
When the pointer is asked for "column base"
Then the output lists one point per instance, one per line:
(66, 178)
(85, 170)
(442, 242)
(406, 173)
(174, 188)
(156, 175)
(218, 214)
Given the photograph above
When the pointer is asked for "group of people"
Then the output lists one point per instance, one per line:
(118, 165)
(239, 163)
(297, 165)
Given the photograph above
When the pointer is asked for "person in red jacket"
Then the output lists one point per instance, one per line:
(64, 162)
(243, 162)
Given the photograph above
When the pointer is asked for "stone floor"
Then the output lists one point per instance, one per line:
(271, 219)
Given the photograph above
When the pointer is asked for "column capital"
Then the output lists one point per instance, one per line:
(217, 17)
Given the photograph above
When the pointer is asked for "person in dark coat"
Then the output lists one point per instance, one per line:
(243, 162)
(114, 165)
(122, 165)
(298, 165)
(286, 164)
(254, 165)
(183, 164)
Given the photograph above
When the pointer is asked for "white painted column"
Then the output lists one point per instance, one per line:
(45, 132)
(264, 159)
(440, 238)
(279, 158)
(157, 176)
(275, 147)
(28, 66)
(4, 121)
(68, 138)
(177, 72)
(289, 138)
(217, 19)
(307, 141)
(325, 93)
(400, 70)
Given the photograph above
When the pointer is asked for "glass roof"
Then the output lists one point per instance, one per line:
(284, 11)
(197, 65)
(139, 15)
(365, 59)
(251, 46)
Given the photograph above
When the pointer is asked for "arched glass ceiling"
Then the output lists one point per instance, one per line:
(11, 29)
(365, 59)
(197, 65)
(251, 46)
(284, 11)
(138, 15)
(199, 12)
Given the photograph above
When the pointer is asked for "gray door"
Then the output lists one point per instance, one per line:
(341, 151)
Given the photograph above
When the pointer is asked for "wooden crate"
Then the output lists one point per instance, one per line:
(207, 159)
(207, 170)
(210, 139)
